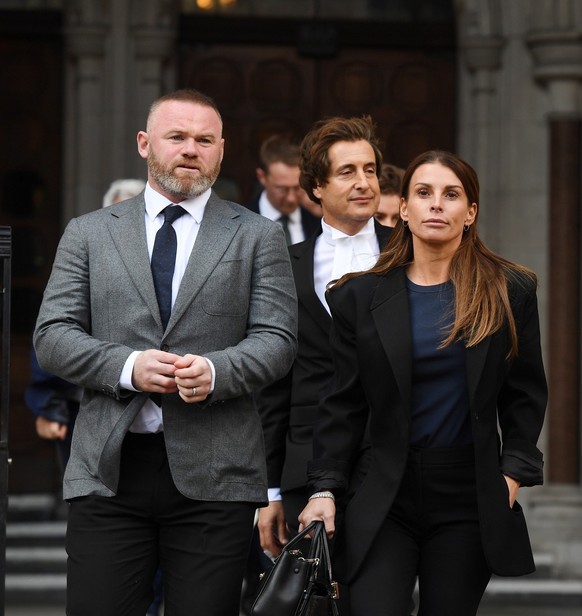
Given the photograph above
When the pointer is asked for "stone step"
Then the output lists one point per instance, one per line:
(35, 589)
(34, 507)
(34, 534)
(534, 591)
(49, 589)
(36, 559)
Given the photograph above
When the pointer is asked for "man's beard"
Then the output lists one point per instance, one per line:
(183, 187)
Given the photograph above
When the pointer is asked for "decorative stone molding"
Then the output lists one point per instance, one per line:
(555, 44)
(556, 55)
(482, 52)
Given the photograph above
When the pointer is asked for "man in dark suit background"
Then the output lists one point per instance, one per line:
(167, 463)
(340, 163)
(281, 196)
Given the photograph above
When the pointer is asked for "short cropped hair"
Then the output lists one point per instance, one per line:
(186, 95)
(278, 149)
(315, 163)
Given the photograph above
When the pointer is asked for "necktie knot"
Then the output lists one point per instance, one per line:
(172, 213)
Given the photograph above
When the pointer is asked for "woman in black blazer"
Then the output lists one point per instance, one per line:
(439, 343)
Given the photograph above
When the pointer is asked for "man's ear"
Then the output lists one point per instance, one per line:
(262, 177)
(143, 144)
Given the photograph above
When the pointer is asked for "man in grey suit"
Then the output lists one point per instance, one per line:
(167, 462)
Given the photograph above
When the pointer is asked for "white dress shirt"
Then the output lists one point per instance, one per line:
(295, 227)
(150, 418)
(337, 253)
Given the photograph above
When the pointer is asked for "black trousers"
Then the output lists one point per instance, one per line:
(432, 532)
(114, 544)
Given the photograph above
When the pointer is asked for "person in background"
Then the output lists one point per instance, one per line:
(167, 462)
(390, 188)
(438, 347)
(55, 403)
(340, 159)
(122, 189)
(280, 199)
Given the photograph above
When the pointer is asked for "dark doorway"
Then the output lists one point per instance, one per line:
(31, 106)
(271, 76)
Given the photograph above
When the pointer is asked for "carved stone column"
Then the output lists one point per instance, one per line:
(154, 33)
(558, 66)
(482, 56)
(85, 49)
(120, 58)
(556, 511)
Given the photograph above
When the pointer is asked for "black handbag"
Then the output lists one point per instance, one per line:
(299, 585)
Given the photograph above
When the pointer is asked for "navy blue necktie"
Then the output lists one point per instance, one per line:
(164, 260)
(284, 221)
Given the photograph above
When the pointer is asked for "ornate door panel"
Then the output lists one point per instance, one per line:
(262, 89)
(259, 91)
(410, 96)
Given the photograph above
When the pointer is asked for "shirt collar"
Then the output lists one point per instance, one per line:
(331, 234)
(267, 210)
(155, 203)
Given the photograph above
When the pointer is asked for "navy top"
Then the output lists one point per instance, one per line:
(440, 400)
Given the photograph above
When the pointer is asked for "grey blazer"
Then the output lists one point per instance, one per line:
(236, 306)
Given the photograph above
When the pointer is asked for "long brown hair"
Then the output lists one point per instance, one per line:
(479, 276)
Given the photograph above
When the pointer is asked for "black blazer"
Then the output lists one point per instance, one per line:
(310, 223)
(372, 350)
(288, 407)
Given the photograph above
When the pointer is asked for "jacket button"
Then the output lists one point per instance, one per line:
(165, 347)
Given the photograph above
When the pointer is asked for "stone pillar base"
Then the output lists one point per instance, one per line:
(554, 518)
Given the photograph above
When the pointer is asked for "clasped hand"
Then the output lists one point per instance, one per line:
(167, 373)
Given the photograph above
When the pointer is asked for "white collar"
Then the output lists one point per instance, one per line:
(331, 234)
(267, 210)
(155, 203)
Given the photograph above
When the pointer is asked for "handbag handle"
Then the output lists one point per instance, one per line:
(320, 550)
(303, 535)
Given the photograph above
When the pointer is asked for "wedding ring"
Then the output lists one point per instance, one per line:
(193, 392)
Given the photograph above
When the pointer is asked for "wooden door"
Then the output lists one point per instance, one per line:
(405, 79)
(30, 188)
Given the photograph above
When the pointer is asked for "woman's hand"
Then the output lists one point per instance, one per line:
(322, 508)
(513, 487)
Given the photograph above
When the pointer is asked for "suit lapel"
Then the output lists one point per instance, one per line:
(217, 229)
(127, 223)
(476, 357)
(302, 263)
(302, 258)
(391, 316)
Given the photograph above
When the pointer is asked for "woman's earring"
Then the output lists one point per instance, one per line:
(405, 223)
(466, 228)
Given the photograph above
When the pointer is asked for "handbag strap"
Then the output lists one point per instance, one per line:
(320, 550)
(302, 535)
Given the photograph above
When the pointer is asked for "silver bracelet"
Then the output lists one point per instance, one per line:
(325, 494)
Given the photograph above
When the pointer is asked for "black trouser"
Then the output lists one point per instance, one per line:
(115, 544)
(432, 531)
